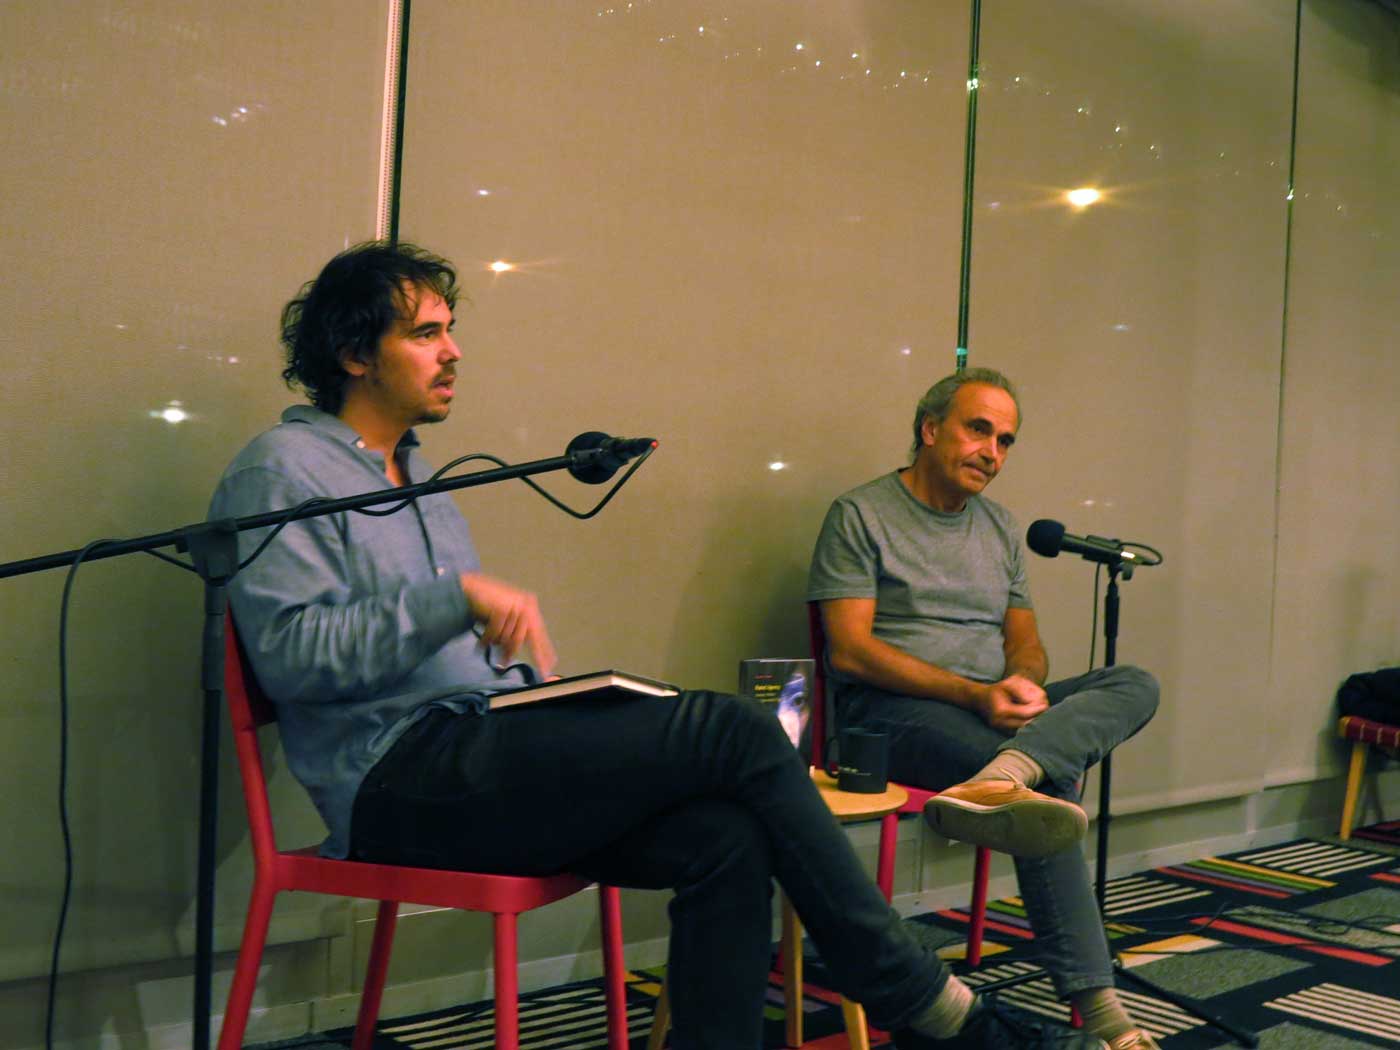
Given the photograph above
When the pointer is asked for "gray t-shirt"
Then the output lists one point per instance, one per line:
(941, 582)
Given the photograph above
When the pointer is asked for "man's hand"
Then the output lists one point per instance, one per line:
(509, 618)
(1011, 703)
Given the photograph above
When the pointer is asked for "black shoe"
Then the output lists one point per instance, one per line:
(993, 1025)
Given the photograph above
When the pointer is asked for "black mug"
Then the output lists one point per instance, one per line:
(862, 761)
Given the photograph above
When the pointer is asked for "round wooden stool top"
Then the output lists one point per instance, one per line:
(852, 805)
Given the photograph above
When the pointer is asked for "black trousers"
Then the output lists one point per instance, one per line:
(702, 794)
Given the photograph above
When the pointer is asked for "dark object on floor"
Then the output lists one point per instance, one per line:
(1374, 695)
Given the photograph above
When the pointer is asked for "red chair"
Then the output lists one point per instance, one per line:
(889, 829)
(504, 896)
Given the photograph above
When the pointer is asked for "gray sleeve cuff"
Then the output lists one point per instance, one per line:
(440, 609)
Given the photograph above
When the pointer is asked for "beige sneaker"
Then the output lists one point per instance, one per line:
(1137, 1039)
(1006, 817)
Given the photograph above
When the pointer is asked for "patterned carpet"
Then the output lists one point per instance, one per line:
(1299, 943)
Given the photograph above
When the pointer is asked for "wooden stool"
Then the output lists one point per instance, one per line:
(846, 806)
(1364, 734)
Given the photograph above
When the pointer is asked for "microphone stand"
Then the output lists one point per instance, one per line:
(213, 547)
(1241, 1035)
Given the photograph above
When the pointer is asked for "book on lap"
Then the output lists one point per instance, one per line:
(584, 686)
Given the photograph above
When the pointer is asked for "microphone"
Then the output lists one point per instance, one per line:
(596, 457)
(1048, 538)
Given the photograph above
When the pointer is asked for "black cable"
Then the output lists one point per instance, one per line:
(52, 993)
(531, 676)
(286, 520)
(173, 561)
(580, 515)
(1336, 927)
(63, 786)
(1131, 544)
(1377, 924)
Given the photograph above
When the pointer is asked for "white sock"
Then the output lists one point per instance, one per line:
(1013, 765)
(1102, 1012)
(946, 1015)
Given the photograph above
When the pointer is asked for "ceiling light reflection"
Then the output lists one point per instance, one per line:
(172, 413)
(1083, 196)
(501, 266)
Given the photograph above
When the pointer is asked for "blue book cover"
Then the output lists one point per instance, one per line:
(786, 686)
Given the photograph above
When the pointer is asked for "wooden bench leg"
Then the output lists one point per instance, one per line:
(791, 952)
(857, 1031)
(660, 1021)
(1354, 777)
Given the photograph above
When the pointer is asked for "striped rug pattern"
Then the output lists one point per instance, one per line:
(1337, 1006)
(1299, 943)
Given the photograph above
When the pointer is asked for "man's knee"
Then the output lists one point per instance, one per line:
(728, 842)
(1138, 687)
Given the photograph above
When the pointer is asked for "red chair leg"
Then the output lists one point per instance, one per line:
(245, 974)
(375, 975)
(884, 864)
(507, 984)
(981, 872)
(614, 968)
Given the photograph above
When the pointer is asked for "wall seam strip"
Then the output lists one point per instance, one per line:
(1283, 329)
(969, 169)
(391, 122)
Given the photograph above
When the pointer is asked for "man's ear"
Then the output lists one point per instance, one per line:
(928, 430)
(351, 364)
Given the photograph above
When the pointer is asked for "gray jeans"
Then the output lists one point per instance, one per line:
(935, 745)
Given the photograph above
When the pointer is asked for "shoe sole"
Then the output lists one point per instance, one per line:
(1029, 828)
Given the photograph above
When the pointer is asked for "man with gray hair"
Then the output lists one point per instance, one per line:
(932, 641)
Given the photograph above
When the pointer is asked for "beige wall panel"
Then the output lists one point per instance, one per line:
(1339, 492)
(171, 171)
(1144, 331)
(741, 240)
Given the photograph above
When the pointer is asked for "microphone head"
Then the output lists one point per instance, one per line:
(591, 469)
(586, 442)
(1045, 536)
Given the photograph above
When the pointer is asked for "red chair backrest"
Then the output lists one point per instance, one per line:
(248, 705)
(249, 708)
